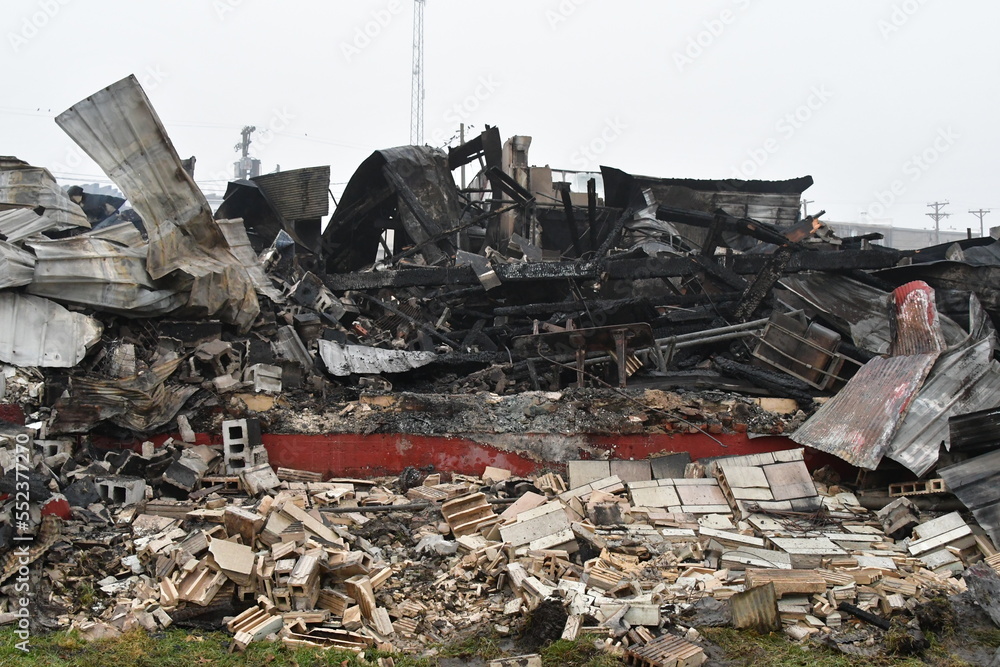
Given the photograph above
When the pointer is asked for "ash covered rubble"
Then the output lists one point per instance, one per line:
(512, 305)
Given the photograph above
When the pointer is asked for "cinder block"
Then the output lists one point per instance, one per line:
(121, 490)
(265, 378)
(239, 438)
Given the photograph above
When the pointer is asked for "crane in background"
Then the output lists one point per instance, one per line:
(417, 88)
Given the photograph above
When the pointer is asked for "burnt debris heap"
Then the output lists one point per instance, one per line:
(613, 288)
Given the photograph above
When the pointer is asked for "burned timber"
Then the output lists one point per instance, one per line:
(639, 403)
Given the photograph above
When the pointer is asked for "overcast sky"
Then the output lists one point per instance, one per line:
(889, 105)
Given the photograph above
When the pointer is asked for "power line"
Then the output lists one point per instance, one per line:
(937, 216)
(981, 213)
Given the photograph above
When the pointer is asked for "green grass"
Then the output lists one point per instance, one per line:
(485, 646)
(174, 648)
(747, 649)
(579, 653)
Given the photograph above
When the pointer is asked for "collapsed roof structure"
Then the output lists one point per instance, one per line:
(515, 285)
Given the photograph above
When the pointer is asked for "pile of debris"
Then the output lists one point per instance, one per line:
(639, 552)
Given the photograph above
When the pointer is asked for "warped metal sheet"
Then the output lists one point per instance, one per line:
(239, 244)
(102, 274)
(298, 194)
(976, 482)
(140, 403)
(858, 424)
(17, 266)
(119, 129)
(24, 186)
(961, 381)
(20, 223)
(342, 360)
(37, 332)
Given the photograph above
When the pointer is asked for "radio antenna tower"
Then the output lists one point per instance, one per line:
(417, 89)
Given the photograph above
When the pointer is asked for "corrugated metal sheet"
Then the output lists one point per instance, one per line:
(299, 194)
(857, 310)
(976, 482)
(975, 431)
(756, 609)
(140, 403)
(239, 244)
(961, 380)
(17, 266)
(22, 185)
(18, 224)
(101, 274)
(119, 129)
(37, 332)
(858, 424)
(342, 360)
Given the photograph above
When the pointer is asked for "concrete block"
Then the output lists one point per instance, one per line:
(585, 472)
(121, 490)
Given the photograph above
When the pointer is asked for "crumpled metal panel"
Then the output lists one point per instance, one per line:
(343, 360)
(102, 274)
(37, 332)
(961, 381)
(857, 310)
(119, 129)
(20, 223)
(24, 186)
(858, 424)
(239, 244)
(140, 403)
(17, 266)
(976, 482)
(297, 194)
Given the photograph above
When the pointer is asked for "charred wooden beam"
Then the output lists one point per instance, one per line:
(577, 240)
(760, 287)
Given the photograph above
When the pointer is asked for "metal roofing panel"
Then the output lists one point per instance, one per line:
(344, 360)
(298, 194)
(120, 130)
(961, 380)
(37, 332)
(976, 482)
(101, 274)
(22, 185)
(858, 424)
(17, 266)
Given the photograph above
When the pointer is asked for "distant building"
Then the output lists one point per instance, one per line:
(903, 238)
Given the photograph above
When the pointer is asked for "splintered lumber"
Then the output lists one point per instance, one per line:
(291, 475)
(468, 514)
(787, 581)
(666, 651)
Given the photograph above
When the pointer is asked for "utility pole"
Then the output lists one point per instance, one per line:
(246, 167)
(980, 214)
(805, 207)
(417, 85)
(937, 216)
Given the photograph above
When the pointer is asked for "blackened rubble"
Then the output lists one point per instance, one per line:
(531, 301)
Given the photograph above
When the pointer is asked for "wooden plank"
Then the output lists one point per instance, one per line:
(787, 581)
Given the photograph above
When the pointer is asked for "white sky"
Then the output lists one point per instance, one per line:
(673, 88)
